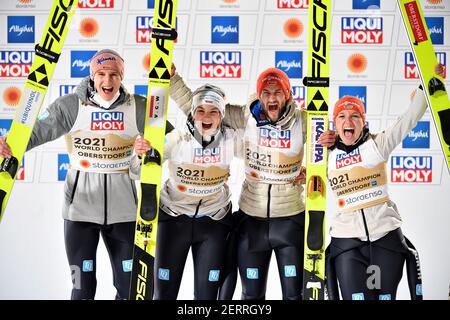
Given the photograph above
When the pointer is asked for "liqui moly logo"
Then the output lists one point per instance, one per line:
(365, 4)
(348, 159)
(362, 30)
(107, 121)
(80, 63)
(96, 4)
(298, 94)
(225, 29)
(273, 138)
(411, 169)
(67, 89)
(15, 64)
(290, 62)
(20, 29)
(292, 4)
(412, 72)
(144, 27)
(220, 64)
(207, 155)
(436, 29)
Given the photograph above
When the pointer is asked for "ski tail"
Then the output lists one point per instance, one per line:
(163, 36)
(46, 56)
(317, 83)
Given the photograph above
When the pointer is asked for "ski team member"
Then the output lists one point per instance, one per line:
(271, 208)
(366, 230)
(100, 122)
(195, 200)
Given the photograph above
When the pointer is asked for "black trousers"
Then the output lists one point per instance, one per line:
(257, 238)
(81, 240)
(206, 237)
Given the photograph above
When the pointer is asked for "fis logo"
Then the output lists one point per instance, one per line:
(362, 30)
(144, 27)
(411, 169)
(141, 89)
(63, 166)
(365, 4)
(292, 4)
(272, 138)
(225, 29)
(107, 121)
(209, 155)
(411, 71)
(317, 128)
(357, 91)
(66, 89)
(220, 64)
(127, 265)
(213, 275)
(79, 63)
(96, 4)
(344, 160)
(20, 29)
(419, 137)
(436, 29)
(150, 4)
(290, 62)
(298, 94)
(15, 64)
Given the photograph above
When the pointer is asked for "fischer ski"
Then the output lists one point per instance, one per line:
(425, 57)
(47, 53)
(317, 83)
(163, 36)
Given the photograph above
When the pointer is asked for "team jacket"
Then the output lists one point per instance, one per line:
(98, 188)
(358, 180)
(272, 154)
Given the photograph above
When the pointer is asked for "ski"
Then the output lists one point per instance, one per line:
(47, 53)
(163, 36)
(425, 57)
(317, 83)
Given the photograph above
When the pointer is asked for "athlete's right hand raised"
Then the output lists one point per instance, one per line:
(141, 146)
(327, 139)
(5, 151)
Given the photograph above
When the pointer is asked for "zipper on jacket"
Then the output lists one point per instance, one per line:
(268, 201)
(106, 198)
(198, 207)
(74, 186)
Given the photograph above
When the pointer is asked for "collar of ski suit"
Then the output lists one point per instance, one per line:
(285, 121)
(213, 142)
(363, 138)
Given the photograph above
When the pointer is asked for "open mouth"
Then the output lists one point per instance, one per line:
(272, 107)
(206, 126)
(107, 90)
(348, 132)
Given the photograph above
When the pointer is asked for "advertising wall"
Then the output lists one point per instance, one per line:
(227, 43)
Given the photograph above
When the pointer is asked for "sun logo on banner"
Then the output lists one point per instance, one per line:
(146, 62)
(293, 28)
(357, 62)
(11, 96)
(88, 27)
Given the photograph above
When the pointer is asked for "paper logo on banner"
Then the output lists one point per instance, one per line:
(436, 29)
(280, 139)
(411, 169)
(225, 29)
(21, 29)
(419, 137)
(96, 4)
(79, 63)
(359, 92)
(15, 64)
(290, 62)
(220, 64)
(292, 4)
(63, 166)
(362, 30)
(365, 4)
(298, 94)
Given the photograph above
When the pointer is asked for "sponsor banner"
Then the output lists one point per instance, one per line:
(285, 5)
(291, 62)
(100, 5)
(418, 137)
(435, 5)
(284, 29)
(438, 27)
(54, 166)
(241, 5)
(139, 69)
(94, 28)
(413, 169)
(360, 65)
(406, 68)
(365, 6)
(21, 29)
(372, 95)
(15, 63)
(208, 32)
(145, 5)
(10, 94)
(80, 63)
(139, 26)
